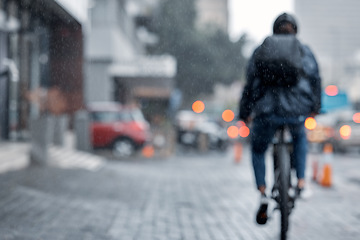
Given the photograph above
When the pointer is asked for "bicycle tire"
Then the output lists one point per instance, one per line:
(284, 176)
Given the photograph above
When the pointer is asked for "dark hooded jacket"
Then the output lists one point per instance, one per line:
(301, 99)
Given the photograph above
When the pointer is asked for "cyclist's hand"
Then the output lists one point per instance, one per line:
(313, 114)
(248, 120)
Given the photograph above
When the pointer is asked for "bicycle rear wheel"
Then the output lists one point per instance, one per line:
(284, 178)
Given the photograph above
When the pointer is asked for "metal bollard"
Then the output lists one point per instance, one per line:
(60, 127)
(42, 132)
(82, 131)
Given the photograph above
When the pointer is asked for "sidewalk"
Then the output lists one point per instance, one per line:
(15, 156)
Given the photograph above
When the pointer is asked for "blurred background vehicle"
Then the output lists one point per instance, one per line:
(341, 128)
(118, 127)
(346, 135)
(323, 131)
(336, 110)
(200, 131)
(321, 134)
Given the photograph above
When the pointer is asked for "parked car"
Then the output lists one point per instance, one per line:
(347, 135)
(195, 129)
(118, 127)
(321, 134)
(326, 130)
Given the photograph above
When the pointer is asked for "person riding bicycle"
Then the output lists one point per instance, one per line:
(269, 106)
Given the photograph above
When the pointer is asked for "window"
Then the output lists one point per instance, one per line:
(108, 117)
(105, 117)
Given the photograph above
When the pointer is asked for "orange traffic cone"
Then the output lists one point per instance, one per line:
(148, 151)
(326, 173)
(326, 180)
(237, 152)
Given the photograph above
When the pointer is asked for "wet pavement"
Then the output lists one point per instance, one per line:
(193, 196)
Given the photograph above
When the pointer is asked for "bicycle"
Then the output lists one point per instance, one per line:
(282, 178)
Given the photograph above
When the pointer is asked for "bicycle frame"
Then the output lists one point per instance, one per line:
(281, 140)
(282, 146)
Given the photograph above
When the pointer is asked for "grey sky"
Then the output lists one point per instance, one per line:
(255, 17)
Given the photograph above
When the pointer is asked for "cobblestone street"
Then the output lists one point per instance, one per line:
(192, 197)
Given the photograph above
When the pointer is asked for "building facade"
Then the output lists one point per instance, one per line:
(41, 61)
(110, 38)
(213, 14)
(329, 27)
(117, 66)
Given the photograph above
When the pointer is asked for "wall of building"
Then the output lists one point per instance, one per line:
(44, 45)
(110, 38)
(66, 54)
(98, 85)
(9, 25)
(117, 65)
(329, 27)
(213, 13)
(4, 81)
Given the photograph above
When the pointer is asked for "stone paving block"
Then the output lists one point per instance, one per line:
(202, 197)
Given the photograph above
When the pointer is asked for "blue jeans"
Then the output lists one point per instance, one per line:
(263, 131)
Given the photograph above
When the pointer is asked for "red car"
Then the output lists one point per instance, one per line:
(121, 128)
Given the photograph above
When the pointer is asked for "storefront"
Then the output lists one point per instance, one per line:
(41, 63)
(145, 80)
(9, 26)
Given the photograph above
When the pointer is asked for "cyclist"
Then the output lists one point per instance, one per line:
(269, 107)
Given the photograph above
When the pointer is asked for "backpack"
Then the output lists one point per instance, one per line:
(279, 60)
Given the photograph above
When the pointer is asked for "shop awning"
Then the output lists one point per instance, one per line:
(145, 66)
